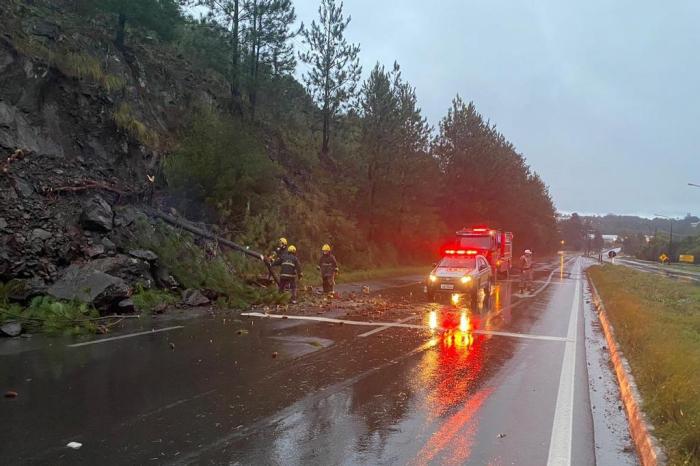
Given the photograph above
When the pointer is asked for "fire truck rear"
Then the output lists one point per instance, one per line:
(495, 245)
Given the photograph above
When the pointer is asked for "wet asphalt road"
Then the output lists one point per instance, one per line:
(504, 384)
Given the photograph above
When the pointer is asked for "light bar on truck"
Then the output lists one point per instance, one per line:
(461, 252)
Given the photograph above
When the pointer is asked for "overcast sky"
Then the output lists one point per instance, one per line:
(601, 96)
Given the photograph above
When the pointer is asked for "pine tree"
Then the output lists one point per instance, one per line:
(160, 16)
(335, 67)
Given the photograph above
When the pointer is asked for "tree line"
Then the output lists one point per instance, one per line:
(332, 158)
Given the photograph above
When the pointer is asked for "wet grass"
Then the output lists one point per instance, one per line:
(313, 276)
(50, 316)
(657, 323)
(147, 300)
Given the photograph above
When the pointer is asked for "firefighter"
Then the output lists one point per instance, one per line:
(328, 266)
(276, 254)
(526, 271)
(290, 271)
(279, 250)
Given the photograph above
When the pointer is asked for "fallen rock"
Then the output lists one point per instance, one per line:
(134, 271)
(41, 234)
(11, 329)
(3, 223)
(144, 254)
(94, 251)
(126, 305)
(97, 215)
(194, 298)
(109, 245)
(28, 289)
(89, 286)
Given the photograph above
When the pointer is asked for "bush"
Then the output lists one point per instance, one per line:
(125, 120)
(147, 300)
(222, 164)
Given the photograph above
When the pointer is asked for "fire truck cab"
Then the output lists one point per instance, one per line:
(495, 245)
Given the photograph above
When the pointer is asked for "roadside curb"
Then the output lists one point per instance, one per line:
(641, 430)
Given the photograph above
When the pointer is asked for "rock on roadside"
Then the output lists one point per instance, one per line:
(90, 286)
(194, 298)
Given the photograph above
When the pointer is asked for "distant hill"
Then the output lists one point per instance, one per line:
(625, 224)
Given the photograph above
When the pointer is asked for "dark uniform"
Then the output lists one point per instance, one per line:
(329, 267)
(290, 271)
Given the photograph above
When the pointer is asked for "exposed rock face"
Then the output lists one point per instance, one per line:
(65, 200)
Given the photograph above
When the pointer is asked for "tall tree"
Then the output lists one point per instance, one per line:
(229, 14)
(334, 65)
(160, 16)
(267, 34)
(486, 180)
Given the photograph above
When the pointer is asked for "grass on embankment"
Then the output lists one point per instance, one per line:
(313, 276)
(657, 323)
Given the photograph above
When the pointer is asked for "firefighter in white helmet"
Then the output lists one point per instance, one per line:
(526, 271)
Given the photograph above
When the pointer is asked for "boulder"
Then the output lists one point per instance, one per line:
(194, 298)
(97, 215)
(41, 234)
(94, 250)
(144, 254)
(109, 245)
(134, 271)
(28, 289)
(126, 305)
(3, 223)
(11, 329)
(90, 286)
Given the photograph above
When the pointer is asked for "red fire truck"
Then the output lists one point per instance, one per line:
(495, 245)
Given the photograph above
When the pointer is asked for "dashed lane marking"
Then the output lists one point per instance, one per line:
(383, 325)
(121, 337)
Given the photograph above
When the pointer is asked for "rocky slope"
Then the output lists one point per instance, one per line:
(83, 126)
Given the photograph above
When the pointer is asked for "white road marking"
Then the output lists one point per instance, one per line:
(377, 330)
(121, 337)
(562, 425)
(384, 325)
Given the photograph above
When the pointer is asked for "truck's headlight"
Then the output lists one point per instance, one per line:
(466, 279)
(432, 277)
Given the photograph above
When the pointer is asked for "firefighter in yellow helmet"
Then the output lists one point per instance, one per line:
(277, 253)
(328, 266)
(290, 271)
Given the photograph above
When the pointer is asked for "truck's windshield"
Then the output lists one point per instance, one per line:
(458, 262)
(476, 242)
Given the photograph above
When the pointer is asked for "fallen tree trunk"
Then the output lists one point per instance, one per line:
(205, 234)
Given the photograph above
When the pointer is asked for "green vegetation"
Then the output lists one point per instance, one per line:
(47, 315)
(125, 120)
(146, 300)
(206, 268)
(657, 323)
(76, 65)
